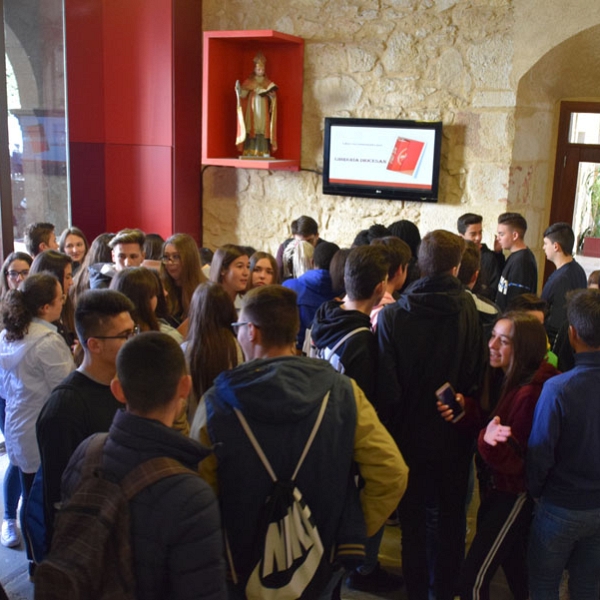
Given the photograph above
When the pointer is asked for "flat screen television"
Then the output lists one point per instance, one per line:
(380, 158)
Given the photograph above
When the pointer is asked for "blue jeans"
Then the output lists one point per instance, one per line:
(560, 539)
(12, 481)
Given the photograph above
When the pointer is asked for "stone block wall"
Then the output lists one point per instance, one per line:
(449, 60)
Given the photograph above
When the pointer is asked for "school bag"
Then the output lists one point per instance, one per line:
(91, 555)
(290, 558)
(329, 354)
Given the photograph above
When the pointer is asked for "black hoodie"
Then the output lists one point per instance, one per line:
(358, 354)
(430, 336)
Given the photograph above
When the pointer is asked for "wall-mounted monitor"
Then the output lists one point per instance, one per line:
(380, 158)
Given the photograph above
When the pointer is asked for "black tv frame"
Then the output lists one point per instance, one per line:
(380, 190)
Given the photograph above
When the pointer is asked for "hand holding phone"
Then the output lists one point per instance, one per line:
(447, 397)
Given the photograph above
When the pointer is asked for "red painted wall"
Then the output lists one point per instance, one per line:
(134, 119)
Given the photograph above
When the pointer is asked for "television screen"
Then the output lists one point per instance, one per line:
(378, 158)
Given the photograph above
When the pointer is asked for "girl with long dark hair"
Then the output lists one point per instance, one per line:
(181, 273)
(142, 286)
(210, 346)
(61, 266)
(518, 371)
(230, 267)
(73, 243)
(263, 270)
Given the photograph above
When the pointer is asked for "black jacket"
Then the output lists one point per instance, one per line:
(430, 336)
(175, 523)
(358, 354)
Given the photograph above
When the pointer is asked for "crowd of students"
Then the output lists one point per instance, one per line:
(399, 315)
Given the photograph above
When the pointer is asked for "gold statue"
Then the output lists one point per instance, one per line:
(256, 113)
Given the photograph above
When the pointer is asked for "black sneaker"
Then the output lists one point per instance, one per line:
(376, 581)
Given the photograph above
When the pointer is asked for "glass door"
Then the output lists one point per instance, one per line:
(36, 113)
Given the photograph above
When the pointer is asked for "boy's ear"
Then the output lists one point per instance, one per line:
(117, 390)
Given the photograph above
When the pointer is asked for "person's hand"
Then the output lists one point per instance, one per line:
(495, 432)
(446, 412)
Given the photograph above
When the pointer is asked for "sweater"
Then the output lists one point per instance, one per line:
(506, 461)
(564, 446)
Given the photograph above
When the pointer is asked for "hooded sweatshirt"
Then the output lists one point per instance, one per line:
(280, 398)
(30, 369)
(357, 356)
(429, 337)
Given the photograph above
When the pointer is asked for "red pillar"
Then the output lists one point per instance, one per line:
(134, 98)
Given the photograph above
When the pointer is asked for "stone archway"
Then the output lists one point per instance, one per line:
(565, 72)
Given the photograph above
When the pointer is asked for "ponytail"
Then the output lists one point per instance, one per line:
(19, 307)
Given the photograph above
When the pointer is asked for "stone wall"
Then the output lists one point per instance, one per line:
(449, 60)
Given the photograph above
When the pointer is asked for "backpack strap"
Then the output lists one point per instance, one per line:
(94, 454)
(341, 341)
(309, 442)
(150, 472)
(140, 477)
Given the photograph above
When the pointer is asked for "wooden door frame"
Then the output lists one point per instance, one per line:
(561, 208)
(562, 148)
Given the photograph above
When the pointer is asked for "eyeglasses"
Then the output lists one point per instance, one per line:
(170, 258)
(16, 274)
(236, 326)
(63, 298)
(126, 335)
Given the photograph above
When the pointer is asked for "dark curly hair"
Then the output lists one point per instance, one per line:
(20, 306)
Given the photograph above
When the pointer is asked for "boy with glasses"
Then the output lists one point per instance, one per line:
(280, 394)
(83, 403)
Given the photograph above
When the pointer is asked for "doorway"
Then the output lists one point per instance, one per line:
(576, 169)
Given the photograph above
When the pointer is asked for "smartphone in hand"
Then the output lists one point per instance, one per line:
(446, 395)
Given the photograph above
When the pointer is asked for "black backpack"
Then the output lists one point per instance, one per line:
(290, 559)
(91, 554)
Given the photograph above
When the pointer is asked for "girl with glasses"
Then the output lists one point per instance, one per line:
(181, 274)
(14, 270)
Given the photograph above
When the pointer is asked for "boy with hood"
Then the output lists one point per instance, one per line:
(346, 326)
(348, 321)
(280, 395)
(429, 337)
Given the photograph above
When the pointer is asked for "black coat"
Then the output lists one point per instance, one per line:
(175, 523)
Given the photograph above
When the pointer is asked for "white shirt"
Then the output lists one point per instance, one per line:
(29, 370)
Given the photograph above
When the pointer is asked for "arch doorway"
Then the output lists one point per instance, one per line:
(560, 78)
